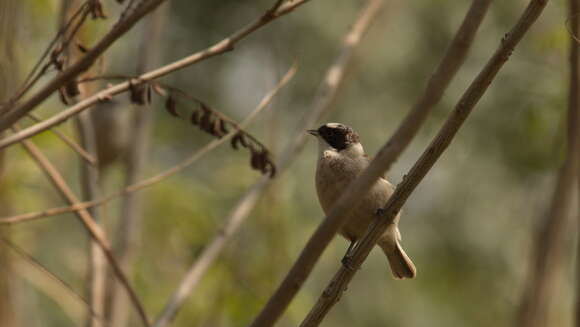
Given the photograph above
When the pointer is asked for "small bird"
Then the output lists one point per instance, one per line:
(341, 159)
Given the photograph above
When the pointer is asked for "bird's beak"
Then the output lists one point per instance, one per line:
(312, 132)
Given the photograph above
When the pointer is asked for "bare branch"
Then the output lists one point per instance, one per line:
(548, 247)
(159, 177)
(326, 231)
(196, 271)
(275, 7)
(90, 188)
(247, 202)
(218, 48)
(85, 218)
(50, 275)
(70, 142)
(438, 83)
(12, 115)
(79, 17)
(453, 59)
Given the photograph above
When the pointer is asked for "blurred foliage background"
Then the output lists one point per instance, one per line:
(468, 226)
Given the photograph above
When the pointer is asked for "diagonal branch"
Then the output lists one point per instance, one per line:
(223, 46)
(12, 115)
(161, 176)
(90, 159)
(326, 231)
(438, 83)
(34, 75)
(247, 202)
(50, 275)
(85, 218)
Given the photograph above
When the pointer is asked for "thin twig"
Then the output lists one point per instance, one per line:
(217, 124)
(52, 276)
(548, 247)
(159, 177)
(275, 7)
(85, 218)
(349, 199)
(166, 90)
(247, 202)
(32, 77)
(438, 83)
(196, 271)
(90, 188)
(14, 114)
(223, 46)
(90, 159)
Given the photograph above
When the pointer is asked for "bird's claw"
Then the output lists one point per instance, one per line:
(347, 262)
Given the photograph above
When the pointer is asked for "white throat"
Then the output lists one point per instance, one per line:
(353, 151)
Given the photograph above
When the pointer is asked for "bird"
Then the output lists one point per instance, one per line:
(341, 158)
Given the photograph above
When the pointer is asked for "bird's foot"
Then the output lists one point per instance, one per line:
(347, 262)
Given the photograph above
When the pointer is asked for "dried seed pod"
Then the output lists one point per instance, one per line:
(138, 93)
(264, 161)
(267, 164)
(243, 141)
(171, 106)
(271, 168)
(235, 140)
(62, 96)
(255, 161)
(223, 127)
(195, 117)
(254, 157)
(148, 93)
(205, 121)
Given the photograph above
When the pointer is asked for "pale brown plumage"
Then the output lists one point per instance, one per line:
(341, 159)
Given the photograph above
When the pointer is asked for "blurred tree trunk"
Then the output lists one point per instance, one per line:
(8, 82)
(89, 175)
(549, 241)
(126, 239)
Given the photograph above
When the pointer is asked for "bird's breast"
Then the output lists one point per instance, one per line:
(333, 175)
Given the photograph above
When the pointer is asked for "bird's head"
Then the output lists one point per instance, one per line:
(336, 136)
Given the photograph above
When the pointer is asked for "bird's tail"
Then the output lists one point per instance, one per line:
(401, 264)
